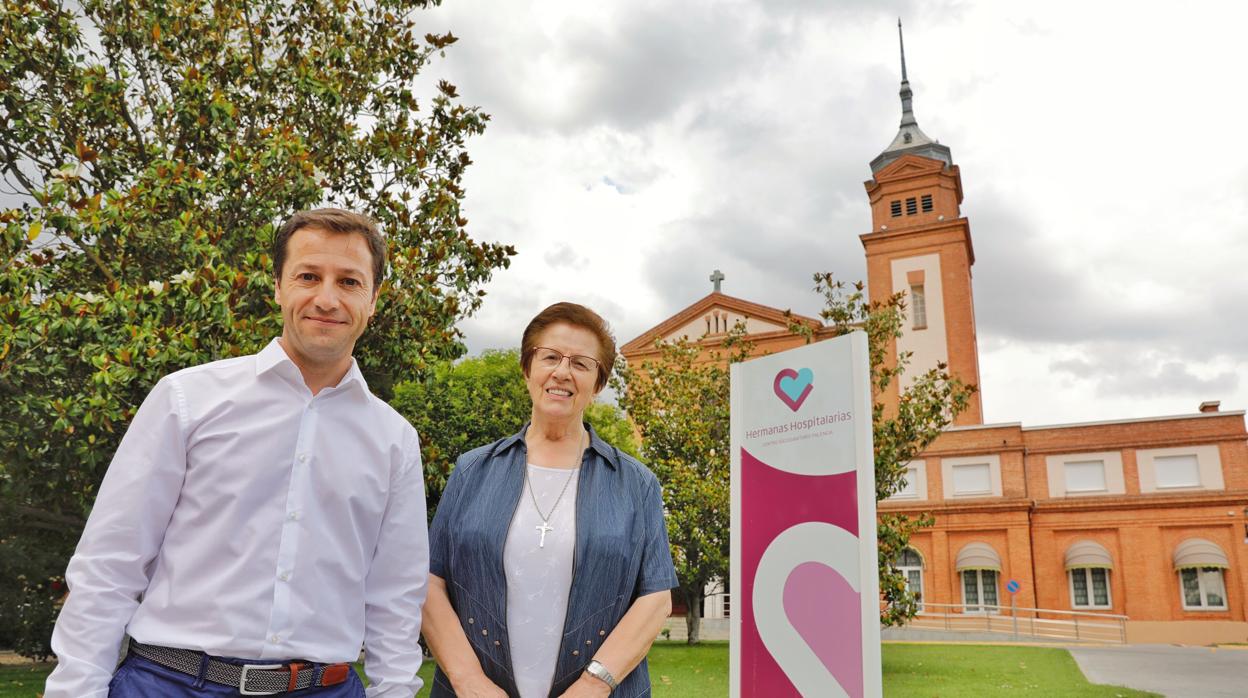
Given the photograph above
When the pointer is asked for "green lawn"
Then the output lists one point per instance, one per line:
(952, 671)
(921, 670)
(677, 670)
(23, 681)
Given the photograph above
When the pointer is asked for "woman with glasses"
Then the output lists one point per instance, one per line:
(549, 561)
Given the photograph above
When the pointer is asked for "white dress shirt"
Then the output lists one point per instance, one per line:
(244, 517)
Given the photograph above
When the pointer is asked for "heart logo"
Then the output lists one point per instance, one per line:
(793, 387)
(808, 612)
(825, 610)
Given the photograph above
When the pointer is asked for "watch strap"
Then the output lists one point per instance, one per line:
(598, 671)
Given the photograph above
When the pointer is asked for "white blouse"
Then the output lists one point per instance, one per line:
(539, 576)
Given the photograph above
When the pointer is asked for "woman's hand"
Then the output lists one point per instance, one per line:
(478, 686)
(587, 687)
(450, 647)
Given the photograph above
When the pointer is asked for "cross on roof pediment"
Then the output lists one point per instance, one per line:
(714, 315)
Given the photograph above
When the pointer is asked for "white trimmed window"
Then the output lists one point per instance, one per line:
(1081, 474)
(918, 307)
(910, 565)
(1177, 471)
(972, 479)
(1085, 476)
(910, 488)
(914, 482)
(979, 590)
(1089, 588)
(1180, 468)
(971, 476)
(1203, 589)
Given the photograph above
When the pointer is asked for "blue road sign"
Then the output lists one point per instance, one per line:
(1013, 586)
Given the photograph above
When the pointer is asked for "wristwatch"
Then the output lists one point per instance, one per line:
(598, 671)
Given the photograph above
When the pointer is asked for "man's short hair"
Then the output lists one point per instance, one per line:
(577, 316)
(334, 220)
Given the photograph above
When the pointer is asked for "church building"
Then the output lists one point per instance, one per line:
(1143, 518)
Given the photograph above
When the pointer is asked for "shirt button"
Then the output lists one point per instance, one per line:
(303, 458)
(275, 639)
(484, 631)
(497, 643)
(471, 621)
(576, 653)
(589, 642)
(601, 633)
(285, 576)
(292, 516)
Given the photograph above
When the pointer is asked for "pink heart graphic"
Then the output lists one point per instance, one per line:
(793, 387)
(825, 610)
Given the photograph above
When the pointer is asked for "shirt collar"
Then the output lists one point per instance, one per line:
(274, 358)
(609, 453)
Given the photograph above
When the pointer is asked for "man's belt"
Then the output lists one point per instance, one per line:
(249, 679)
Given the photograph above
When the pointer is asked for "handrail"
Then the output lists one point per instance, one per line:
(925, 605)
(1048, 623)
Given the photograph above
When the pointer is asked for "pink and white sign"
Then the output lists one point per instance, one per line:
(805, 592)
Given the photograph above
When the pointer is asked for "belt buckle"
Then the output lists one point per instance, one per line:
(242, 679)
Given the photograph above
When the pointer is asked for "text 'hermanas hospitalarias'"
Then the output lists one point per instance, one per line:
(800, 424)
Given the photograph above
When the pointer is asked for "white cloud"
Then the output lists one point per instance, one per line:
(636, 146)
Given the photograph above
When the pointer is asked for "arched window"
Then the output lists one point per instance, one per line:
(910, 564)
(979, 566)
(1199, 563)
(1087, 565)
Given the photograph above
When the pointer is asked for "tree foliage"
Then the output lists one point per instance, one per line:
(476, 401)
(679, 402)
(148, 150)
(925, 406)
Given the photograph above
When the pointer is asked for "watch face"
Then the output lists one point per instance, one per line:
(598, 671)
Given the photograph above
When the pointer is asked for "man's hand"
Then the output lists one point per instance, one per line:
(587, 687)
(478, 686)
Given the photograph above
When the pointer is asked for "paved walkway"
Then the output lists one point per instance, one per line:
(1173, 671)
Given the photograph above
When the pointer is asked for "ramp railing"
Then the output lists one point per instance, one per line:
(1018, 622)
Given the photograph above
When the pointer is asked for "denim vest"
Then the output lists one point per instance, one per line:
(621, 553)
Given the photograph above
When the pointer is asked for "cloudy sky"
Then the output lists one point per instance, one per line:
(636, 146)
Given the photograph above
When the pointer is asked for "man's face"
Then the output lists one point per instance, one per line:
(325, 289)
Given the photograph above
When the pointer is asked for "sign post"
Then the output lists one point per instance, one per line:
(1013, 586)
(804, 568)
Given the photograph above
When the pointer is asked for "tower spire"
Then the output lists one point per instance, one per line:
(910, 138)
(902, 40)
(907, 96)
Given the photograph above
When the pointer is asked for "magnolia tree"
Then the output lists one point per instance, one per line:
(925, 406)
(149, 148)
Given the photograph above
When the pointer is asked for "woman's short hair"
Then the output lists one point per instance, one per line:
(334, 220)
(577, 316)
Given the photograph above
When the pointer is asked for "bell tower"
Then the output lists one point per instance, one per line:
(920, 245)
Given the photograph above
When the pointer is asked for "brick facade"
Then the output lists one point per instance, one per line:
(1032, 531)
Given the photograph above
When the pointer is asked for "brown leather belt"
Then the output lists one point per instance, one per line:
(249, 679)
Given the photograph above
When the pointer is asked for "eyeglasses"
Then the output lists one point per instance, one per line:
(548, 358)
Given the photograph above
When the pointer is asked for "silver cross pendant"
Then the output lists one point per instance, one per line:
(544, 528)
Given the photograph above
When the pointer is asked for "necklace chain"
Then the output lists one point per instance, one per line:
(546, 517)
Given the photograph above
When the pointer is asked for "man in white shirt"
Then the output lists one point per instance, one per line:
(264, 516)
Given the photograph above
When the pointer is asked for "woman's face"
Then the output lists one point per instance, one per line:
(561, 388)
